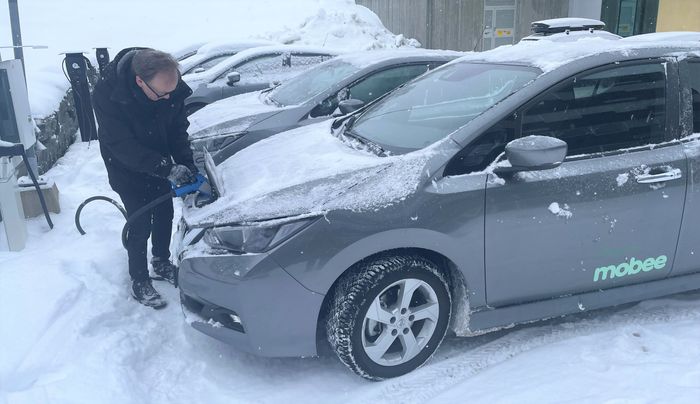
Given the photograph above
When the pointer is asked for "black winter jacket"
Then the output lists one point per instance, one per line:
(139, 138)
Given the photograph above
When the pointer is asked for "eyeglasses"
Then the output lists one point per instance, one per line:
(157, 93)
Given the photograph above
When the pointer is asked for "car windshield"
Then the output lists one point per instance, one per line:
(312, 82)
(430, 108)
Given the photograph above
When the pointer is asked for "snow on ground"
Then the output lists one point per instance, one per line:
(79, 25)
(69, 333)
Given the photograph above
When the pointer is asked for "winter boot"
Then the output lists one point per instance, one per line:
(164, 270)
(145, 294)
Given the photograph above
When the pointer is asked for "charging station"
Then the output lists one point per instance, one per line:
(15, 128)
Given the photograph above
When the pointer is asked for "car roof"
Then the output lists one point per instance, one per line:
(549, 56)
(666, 36)
(224, 46)
(372, 58)
(241, 56)
(570, 36)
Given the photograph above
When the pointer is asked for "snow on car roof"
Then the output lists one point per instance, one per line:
(666, 36)
(364, 59)
(570, 36)
(225, 64)
(223, 46)
(549, 55)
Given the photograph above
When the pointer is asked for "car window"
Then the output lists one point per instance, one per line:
(438, 103)
(620, 107)
(312, 82)
(695, 88)
(302, 61)
(384, 81)
(258, 70)
(483, 150)
(213, 61)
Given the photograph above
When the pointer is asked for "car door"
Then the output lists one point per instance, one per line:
(688, 255)
(371, 87)
(610, 214)
(256, 74)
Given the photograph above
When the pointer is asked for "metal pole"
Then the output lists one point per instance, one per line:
(16, 32)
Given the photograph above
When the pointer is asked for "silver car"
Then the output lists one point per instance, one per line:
(505, 187)
(251, 70)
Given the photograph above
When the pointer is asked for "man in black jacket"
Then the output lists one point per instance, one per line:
(139, 105)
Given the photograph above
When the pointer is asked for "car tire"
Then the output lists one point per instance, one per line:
(375, 330)
(192, 108)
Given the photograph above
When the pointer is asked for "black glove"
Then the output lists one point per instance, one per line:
(180, 175)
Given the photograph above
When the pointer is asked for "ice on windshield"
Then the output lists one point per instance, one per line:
(436, 105)
(312, 82)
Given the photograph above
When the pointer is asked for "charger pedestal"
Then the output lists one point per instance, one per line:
(11, 206)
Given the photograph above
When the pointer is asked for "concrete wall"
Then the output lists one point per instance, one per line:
(678, 15)
(456, 24)
(585, 8)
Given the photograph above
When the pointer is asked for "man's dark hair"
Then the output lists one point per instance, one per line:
(149, 62)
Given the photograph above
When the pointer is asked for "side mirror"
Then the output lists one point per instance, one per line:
(199, 70)
(533, 153)
(351, 105)
(233, 78)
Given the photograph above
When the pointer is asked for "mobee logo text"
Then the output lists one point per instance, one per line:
(633, 267)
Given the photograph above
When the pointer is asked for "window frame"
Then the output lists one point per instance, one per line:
(686, 115)
(238, 65)
(673, 107)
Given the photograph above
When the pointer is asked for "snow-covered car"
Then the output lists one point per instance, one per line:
(568, 29)
(212, 53)
(505, 187)
(185, 52)
(340, 85)
(675, 36)
(251, 70)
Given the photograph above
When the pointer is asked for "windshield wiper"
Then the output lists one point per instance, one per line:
(372, 146)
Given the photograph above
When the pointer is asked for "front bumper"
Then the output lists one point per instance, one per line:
(266, 312)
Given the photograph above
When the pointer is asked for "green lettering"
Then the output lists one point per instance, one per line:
(660, 262)
(635, 266)
(602, 273)
(649, 264)
(622, 270)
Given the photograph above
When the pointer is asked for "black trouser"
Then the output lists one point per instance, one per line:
(157, 223)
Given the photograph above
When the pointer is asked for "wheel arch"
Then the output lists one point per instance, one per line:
(457, 284)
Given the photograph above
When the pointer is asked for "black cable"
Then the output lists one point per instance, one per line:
(38, 188)
(96, 198)
(141, 211)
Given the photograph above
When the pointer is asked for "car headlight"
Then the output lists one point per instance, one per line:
(252, 238)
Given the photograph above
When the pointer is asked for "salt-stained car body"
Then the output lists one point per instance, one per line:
(251, 70)
(358, 78)
(508, 186)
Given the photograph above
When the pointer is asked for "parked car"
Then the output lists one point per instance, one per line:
(508, 186)
(676, 36)
(568, 29)
(212, 53)
(340, 85)
(251, 70)
(186, 51)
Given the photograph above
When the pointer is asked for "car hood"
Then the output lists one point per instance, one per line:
(230, 115)
(307, 171)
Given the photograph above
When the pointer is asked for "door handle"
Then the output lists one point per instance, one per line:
(673, 174)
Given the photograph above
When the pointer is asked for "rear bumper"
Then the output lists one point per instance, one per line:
(266, 312)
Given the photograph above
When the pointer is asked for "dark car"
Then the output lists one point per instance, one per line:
(348, 81)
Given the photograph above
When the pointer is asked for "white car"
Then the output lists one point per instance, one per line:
(251, 70)
(212, 53)
(568, 29)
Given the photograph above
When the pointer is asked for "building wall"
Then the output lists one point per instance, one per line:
(678, 15)
(456, 24)
(585, 8)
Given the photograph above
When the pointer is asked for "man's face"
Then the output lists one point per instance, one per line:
(160, 86)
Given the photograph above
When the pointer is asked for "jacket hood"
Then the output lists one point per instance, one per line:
(305, 171)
